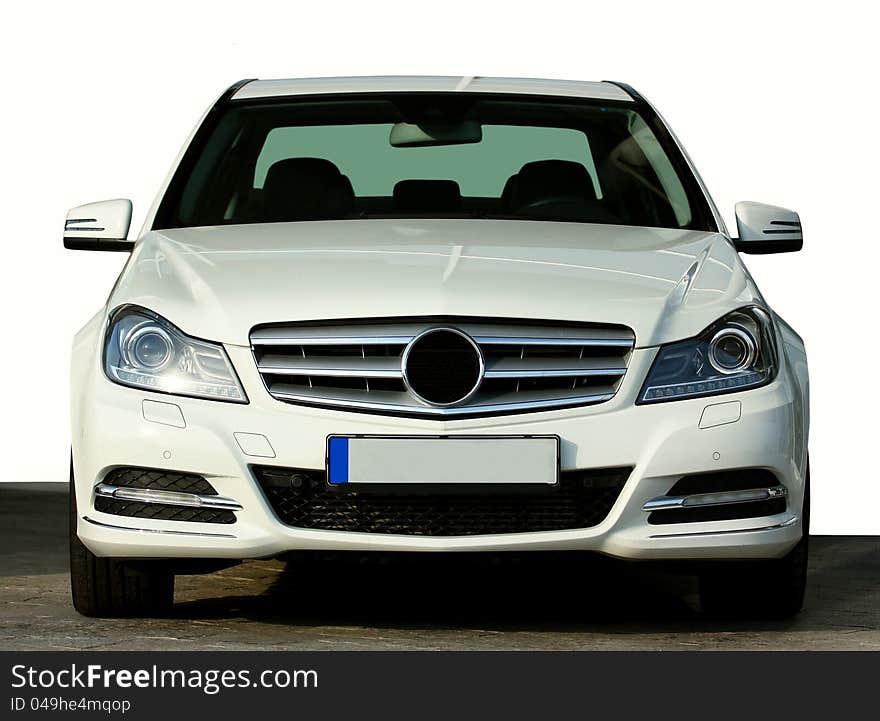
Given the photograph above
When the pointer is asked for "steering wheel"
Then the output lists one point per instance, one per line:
(552, 200)
(568, 207)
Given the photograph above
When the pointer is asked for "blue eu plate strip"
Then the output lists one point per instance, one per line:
(338, 461)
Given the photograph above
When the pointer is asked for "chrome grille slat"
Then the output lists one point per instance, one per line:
(358, 366)
(532, 341)
(337, 334)
(401, 340)
(402, 403)
(553, 367)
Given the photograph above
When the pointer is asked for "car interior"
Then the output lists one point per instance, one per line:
(314, 189)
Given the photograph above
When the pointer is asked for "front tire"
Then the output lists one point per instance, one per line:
(772, 589)
(109, 587)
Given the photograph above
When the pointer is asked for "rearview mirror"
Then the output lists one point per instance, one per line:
(99, 226)
(767, 229)
(409, 135)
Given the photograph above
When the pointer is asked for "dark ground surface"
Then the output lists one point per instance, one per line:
(427, 602)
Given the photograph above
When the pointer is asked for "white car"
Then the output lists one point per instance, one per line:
(436, 314)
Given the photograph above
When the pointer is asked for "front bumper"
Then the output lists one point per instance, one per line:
(661, 442)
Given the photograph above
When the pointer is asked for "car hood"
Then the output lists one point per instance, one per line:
(219, 282)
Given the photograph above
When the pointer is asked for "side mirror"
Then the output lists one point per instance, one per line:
(99, 226)
(767, 229)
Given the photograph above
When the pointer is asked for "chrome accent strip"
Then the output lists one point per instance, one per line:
(775, 527)
(166, 498)
(722, 498)
(155, 530)
(563, 341)
(555, 373)
(410, 326)
(535, 405)
(405, 339)
(334, 340)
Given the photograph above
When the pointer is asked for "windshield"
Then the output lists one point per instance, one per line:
(433, 156)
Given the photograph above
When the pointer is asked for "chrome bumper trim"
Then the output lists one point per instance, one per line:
(775, 527)
(155, 530)
(704, 500)
(167, 498)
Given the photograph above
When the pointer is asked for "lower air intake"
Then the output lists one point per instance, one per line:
(301, 498)
(162, 512)
(156, 479)
(721, 482)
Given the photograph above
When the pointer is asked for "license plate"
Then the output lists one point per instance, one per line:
(401, 460)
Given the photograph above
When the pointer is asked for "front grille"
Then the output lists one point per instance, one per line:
(301, 498)
(359, 365)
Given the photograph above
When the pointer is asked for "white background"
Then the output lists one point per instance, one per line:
(776, 102)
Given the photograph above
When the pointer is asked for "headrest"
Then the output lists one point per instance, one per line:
(551, 178)
(507, 193)
(427, 195)
(306, 189)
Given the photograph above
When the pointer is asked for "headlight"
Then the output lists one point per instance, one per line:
(736, 353)
(145, 351)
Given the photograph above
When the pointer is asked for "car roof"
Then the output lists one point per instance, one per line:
(416, 83)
